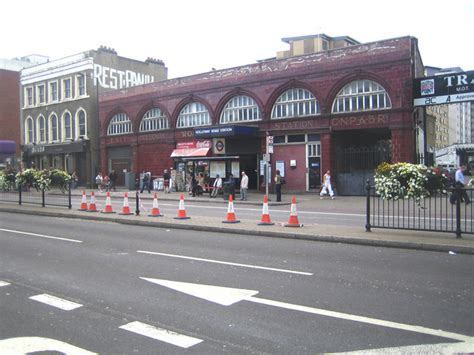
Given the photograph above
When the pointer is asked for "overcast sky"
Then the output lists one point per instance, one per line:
(193, 36)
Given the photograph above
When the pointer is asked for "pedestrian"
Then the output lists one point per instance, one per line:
(278, 182)
(113, 179)
(99, 181)
(201, 184)
(194, 186)
(166, 181)
(146, 182)
(327, 187)
(74, 180)
(216, 186)
(106, 183)
(244, 185)
(459, 185)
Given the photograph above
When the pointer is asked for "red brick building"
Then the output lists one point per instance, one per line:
(9, 114)
(343, 110)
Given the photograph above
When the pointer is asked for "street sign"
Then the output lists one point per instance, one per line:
(266, 157)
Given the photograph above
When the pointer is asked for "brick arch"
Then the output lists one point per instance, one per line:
(238, 92)
(137, 120)
(187, 100)
(358, 75)
(291, 84)
(108, 118)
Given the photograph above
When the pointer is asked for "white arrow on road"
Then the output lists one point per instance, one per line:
(227, 296)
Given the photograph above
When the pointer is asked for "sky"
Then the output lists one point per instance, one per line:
(194, 36)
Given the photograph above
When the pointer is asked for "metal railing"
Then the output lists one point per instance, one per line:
(438, 213)
(32, 195)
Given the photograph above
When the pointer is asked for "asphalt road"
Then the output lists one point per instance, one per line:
(306, 297)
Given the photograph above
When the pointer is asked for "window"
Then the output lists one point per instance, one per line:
(361, 95)
(81, 85)
(325, 45)
(68, 126)
(240, 109)
(53, 91)
(279, 139)
(295, 103)
(296, 138)
(314, 150)
(194, 114)
(29, 99)
(67, 93)
(53, 128)
(119, 124)
(153, 120)
(81, 123)
(29, 131)
(41, 129)
(41, 94)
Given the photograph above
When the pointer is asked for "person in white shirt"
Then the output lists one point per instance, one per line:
(216, 186)
(460, 183)
(327, 187)
(244, 185)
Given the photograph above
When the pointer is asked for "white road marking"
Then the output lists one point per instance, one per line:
(227, 296)
(40, 235)
(225, 263)
(56, 302)
(161, 334)
(4, 283)
(26, 345)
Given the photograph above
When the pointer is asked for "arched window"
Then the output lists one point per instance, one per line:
(240, 109)
(29, 131)
(192, 115)
(119, 124)
(153, 120)
(361, 95)
(295, 103)
(53, 128)
(68, 126)
(81, 120)
(41, 129)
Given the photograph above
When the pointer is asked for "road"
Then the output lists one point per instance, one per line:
(285, 296)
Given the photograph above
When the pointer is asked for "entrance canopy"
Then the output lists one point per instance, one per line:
(190, 152)
(7, 147)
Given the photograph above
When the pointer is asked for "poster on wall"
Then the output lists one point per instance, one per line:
(217, 167)
(235, 169)
(280, 165)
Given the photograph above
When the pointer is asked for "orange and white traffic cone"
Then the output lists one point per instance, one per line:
(155, 210)
(265, 221)
(293, 222)
(126, 208)
(92, 205)
(230, 212)
(83, 202)
(108, 205)
(182, 210)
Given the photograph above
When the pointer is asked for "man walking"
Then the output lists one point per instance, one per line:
(244, 185)
(327, 187)
(460, 183)
(216, 186)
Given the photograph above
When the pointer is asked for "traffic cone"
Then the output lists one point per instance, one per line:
(230, 212)
(182, 210)
(125, 209)
(265, 221)
(155, 211)
(92, 205)
(83, 202)
(293, 222)
(108, 205)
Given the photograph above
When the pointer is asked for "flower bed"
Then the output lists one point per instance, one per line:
(44, 179)
(405, 180)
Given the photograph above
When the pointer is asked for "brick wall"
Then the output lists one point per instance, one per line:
(10, 107)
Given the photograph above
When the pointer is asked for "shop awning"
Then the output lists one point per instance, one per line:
(7, 147)
(190, 152)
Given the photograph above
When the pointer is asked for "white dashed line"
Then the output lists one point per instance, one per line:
(56, 302)
(3, 283)
(41, 235)
(161, 334)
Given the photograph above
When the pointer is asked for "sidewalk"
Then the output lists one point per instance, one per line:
(443, 242)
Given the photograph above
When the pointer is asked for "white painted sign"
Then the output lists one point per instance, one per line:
(110, 78)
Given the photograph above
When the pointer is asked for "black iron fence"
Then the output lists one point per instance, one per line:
(449, 212)
(36, 196)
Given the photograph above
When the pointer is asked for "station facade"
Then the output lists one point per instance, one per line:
(344, 110)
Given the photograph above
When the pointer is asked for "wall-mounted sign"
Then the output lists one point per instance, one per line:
(193, 144)
(443, 89)
(225, 131)
(218, 145)
(110, 78)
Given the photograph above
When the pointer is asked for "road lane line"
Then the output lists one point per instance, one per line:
(4, 283)
(226, 263)
(161, 334)
(27, 345)
(362, 319)
(40, 235)
(56, 302)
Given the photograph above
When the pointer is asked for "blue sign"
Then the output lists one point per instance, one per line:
(225, 131)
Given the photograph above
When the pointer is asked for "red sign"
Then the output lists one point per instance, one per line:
(193, 144)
